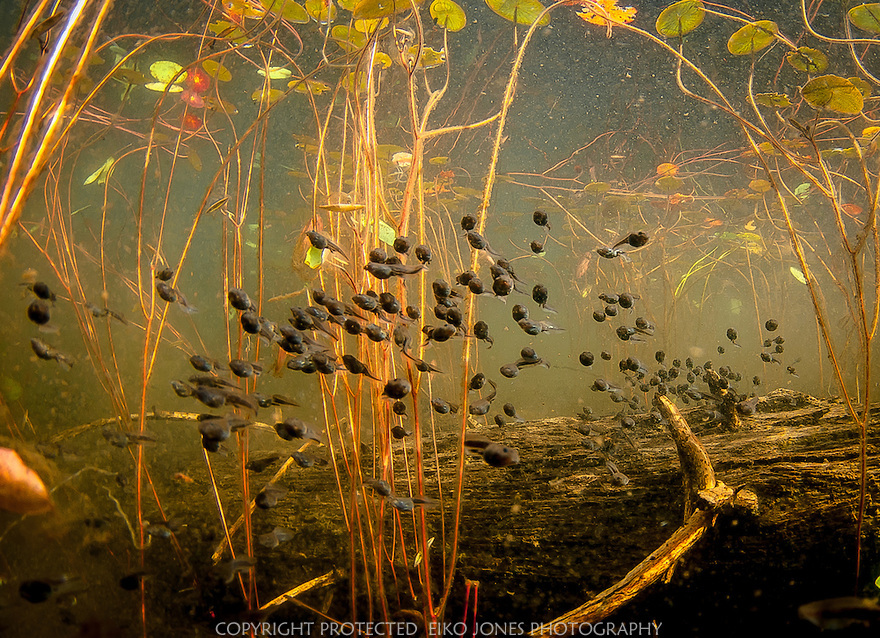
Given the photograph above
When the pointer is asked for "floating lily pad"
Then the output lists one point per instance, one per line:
(225, 29)
(387, 234)
(382, 60)
(863, 87)
(597, 187)
(165, 71)
(369, 9)
(669, 184)
(680, 18)
(833, 93)
(802, 190)
(315, 87)
(430, 57)
(866, 17)
(773, 100)
(349, 39)
(608, 12)
(321, 11)
(807, 59)
(667, 169)
(314, 257)
(290, 11)
(752, 37)
(130, 76)
(368, 26)
(216, 70)
(519, 11)
(266, 95)
(275, 73)
(448, 15)
(160, 87)
(355, 82)
(760, 185)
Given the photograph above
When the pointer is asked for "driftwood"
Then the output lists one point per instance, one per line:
(560, 517)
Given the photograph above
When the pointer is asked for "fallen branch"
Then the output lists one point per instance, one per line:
(705, 496)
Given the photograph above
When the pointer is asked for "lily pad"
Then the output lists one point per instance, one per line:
(760, 185)
(773, 100)
(519, 11)
(669, 184)
(866, 17)
(608, 12)
(387, 234)
(808, 60)
(833, 93)
(165, 71)
(267, 95)
(430, 56)
(368, 26)
(448, 15)
(321, 11)
(160, 87)
(382, 60)
(275, 73)
(290, 11)
(314, 257)
(680, 18)
(597, 187)
(753, 37)
(315, 87)
(216, 70)
(368, 9)
(130, 76)
(863, 87)
(349, 39)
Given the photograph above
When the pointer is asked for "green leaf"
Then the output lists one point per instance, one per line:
(753, 37)
(807, 59)
(773, 100)
(802, 190)
(100, 175)
(597, 187)
(680, 18)
(448, 15)
(321, 11)
(348, 38)
(369, 9)
(669, 184)
(866, 17)
(165, 71)
(863, 87)
(833, 93)
(290, 11)
(314, 257)
(386, 233)
(519, 11)
(797, 274)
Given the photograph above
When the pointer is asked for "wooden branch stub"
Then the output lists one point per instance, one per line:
(695, 464)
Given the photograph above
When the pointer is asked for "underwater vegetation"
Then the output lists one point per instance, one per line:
(298, 293)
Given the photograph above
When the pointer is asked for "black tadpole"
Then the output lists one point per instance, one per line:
(636, 240)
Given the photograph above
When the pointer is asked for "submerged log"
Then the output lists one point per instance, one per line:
(546, 535)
